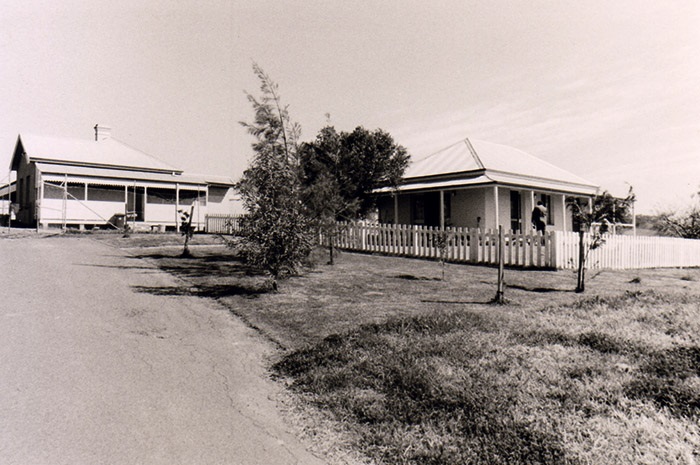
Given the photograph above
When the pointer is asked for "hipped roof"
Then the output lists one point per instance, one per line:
(470, 162)
(106, 153)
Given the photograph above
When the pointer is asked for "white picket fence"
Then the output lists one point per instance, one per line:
(461, 244)
(628, 252)
(555, 249)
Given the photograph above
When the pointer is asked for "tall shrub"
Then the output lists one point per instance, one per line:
(277, 232)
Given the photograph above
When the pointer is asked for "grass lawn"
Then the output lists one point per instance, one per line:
(412, 369)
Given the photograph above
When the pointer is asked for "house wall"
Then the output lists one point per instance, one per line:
(223, 200)
(26, 192)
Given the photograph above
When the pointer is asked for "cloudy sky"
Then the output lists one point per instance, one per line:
(606, 89)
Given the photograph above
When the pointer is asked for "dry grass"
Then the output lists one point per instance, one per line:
(417, 370)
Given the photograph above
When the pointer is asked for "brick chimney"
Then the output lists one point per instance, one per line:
(102, 132)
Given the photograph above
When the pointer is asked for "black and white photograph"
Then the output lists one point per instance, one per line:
(378, 232)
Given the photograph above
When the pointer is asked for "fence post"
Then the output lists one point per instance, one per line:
(473, 245)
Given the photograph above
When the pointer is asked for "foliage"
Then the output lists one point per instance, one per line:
(684, 224)
(353, 164)
(596, 219)
(186, 230)
(277, 232)
(340, 171)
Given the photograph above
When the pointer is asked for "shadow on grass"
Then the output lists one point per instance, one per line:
(200, 266)
(666, 378)
(410, 277)
(214, 292)
(458, 302)
(537, 289)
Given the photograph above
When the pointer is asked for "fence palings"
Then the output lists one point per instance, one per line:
(461, 244)
(629, 252)
(554, 249)
(223, 224)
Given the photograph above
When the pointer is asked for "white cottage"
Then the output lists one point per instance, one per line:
(479, 184)
(83, 183)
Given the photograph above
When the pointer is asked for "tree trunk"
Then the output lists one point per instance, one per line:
(188, 234)
(500, 296)
(331, 249)
(581, 275)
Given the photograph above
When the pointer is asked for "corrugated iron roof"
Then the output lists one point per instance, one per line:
(105, 173)
(106, 152)
(470, 155)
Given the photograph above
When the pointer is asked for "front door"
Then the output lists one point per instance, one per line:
(516, 212)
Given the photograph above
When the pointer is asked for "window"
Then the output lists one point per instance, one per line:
(76, 191)
(21, 191)
(217, 194)
(106, 193)
(187, 197)
(161, 196)
(52, 190)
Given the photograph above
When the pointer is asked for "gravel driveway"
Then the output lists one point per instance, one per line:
(93, 371)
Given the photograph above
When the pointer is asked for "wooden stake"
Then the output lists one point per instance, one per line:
(500, 298)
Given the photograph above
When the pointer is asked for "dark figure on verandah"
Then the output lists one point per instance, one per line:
(539, 217)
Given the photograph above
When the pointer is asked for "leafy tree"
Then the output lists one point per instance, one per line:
(596, 218)
(277, 232)
(681, 223)
(369, 159)
(340, 171)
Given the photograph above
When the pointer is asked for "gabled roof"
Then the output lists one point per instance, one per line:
(105, 153)
(469, 159)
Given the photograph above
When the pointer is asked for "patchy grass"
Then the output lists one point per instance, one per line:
(414, 369)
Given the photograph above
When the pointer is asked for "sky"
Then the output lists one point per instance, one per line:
(607, 90)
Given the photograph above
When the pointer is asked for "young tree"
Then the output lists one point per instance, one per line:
(277, 232)
(340, 170)
(596, 218)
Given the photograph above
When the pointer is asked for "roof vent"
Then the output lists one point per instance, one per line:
(102, 132)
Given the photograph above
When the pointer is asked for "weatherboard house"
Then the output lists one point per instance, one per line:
(85, 183)
(478, 184)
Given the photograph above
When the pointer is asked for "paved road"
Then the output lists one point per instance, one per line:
(93, 372)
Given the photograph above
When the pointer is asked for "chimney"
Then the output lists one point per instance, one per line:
(102, 132)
